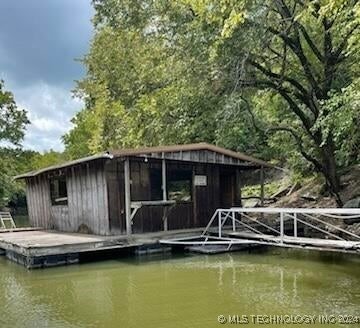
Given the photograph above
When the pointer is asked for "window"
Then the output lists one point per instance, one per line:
(58, 191)
(179, 186)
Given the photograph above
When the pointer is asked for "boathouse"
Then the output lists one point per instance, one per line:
(138, 190)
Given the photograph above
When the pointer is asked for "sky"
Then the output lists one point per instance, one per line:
(40, 41)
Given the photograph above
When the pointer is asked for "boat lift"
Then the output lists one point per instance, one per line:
(235, 228)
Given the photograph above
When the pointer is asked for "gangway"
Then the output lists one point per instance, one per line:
(282, 227)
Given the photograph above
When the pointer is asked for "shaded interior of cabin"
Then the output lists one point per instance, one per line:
(134, 194)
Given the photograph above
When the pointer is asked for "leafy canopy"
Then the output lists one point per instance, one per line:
(274, 78)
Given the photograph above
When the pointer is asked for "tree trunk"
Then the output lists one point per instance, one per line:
(330, 172)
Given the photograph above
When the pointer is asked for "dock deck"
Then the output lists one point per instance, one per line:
(44, 248)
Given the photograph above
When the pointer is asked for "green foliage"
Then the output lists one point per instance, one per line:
(15, 161)
(254, 190)
(46, 159)
(276, 79)
(340, 116)
(12, 119)
(12, 126)
(140, 90)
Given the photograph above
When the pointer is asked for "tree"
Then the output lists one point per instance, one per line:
(298, 50)
(139, 90)
(12, 119)
(12, 126)
(276, 78)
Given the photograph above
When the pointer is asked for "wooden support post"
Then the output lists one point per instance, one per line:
(127, 196)
(164, 190)
(262, 186)
(164, 182)
(165, 221)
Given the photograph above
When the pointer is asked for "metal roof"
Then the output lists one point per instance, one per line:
(151, 150)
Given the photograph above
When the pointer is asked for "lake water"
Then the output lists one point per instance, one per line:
(182, 291)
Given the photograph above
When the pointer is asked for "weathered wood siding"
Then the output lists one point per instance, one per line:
(38, 202)
(116, 195)
(87, 199)
(96, 196)
(200, 156)
(187, 214)
(87, 207)
(206, 198)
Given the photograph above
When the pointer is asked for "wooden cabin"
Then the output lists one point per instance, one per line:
(138, 190)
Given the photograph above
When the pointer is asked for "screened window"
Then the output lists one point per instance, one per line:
(58, 191)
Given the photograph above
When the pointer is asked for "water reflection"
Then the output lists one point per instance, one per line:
(181, 291)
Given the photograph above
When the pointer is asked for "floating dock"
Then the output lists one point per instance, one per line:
(36, 248)
(239, 228)
(235, 229)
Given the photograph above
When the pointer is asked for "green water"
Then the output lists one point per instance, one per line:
(180, 291)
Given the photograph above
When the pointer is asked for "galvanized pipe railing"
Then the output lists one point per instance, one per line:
(312, 214)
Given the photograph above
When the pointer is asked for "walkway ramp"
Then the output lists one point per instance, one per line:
(239, 228)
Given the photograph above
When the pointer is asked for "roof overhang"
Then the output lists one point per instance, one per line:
(173, 152)
(150, 151)
(64, 165)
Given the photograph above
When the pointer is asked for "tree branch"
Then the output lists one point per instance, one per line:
(311, 44)
(303, 96)
(342, 45)
(284, 93)
(298, 141)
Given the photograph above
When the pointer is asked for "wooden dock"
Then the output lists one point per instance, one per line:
(36, 248)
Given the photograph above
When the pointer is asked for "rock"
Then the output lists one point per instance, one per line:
(352, 203)
(309, 197)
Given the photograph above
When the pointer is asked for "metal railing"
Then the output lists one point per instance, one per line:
(319, 220)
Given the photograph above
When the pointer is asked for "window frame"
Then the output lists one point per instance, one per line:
(182, 176)
(58, 190)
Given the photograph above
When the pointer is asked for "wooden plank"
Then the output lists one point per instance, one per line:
(95, 210)
(71, 201)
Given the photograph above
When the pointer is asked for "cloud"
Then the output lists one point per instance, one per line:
(50, 109)
(39, 42)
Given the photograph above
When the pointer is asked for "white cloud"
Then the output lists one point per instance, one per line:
(39, 41)
(50, 109)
